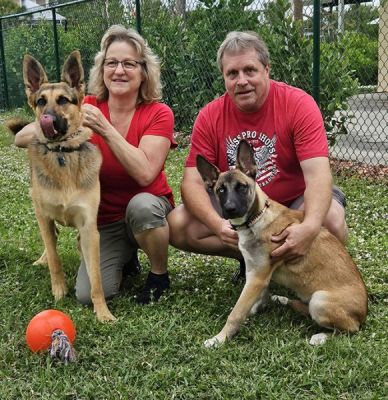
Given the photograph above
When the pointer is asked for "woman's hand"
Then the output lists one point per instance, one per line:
(26, 135)
(94, 119)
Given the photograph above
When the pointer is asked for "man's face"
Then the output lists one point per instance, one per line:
(246, 79)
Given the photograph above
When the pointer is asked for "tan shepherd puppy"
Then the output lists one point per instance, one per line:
(326, 280)
(64, 171)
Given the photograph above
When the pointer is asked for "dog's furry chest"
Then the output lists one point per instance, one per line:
(64, 170)
(65, 192)
(253, 249)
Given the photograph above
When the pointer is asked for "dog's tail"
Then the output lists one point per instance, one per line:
(16, 124)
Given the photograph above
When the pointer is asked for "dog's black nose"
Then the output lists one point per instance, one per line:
(229, 210)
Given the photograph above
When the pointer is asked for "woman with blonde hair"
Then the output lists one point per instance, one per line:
(134, 133)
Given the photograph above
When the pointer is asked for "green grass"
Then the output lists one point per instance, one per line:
(156, 351)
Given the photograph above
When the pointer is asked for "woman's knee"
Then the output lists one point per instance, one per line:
(83, 294)
(146, 210)
(110, 287)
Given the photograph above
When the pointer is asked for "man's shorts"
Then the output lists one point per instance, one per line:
(338, 196)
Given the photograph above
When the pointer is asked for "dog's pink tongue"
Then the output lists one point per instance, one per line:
(47, 125)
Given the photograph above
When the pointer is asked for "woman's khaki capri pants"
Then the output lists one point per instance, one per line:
(117, 243)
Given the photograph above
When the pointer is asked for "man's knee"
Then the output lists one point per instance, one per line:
(177, 221)
(335, 221)
(339, 229)
(183, 227)
(186, 232)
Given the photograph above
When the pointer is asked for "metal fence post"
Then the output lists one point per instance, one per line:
(55, 32)
(4, 70)
(138, 17)
(316, 50)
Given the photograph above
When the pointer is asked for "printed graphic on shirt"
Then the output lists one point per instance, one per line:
(265, 154)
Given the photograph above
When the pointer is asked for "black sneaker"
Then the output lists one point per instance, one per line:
(240, 273)
(132, 267)
(154, 288)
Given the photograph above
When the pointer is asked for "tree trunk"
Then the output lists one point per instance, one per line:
(298, 10)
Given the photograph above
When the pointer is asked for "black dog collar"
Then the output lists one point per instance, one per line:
(60, 150)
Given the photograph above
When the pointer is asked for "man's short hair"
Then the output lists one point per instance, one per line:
(237, 41)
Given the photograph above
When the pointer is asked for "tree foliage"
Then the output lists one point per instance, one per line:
(9, 7)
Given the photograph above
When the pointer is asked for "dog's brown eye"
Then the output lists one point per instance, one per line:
(221, 189)
(62, 100)
(242, 188)
(41, 102)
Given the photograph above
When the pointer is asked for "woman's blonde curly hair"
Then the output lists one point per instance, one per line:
(150, 89)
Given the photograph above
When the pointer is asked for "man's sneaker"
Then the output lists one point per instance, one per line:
(154, 288)
(132, 267)
(240, 273)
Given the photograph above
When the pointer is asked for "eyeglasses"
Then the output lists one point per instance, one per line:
(128, 65)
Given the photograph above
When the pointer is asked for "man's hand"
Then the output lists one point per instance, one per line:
(297, 241)
(227, 235)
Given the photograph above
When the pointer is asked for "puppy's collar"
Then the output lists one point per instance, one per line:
(251, 221)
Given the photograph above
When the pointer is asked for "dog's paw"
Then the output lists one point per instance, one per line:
(59, 291)
(104, 315)
(215, 341)
(318, 339)
(42, 260)
(280, 299)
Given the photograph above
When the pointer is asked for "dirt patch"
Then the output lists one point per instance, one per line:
(355, 168)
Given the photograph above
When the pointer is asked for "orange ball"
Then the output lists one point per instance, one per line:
(40, 328)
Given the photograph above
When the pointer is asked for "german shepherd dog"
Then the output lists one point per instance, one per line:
(326, 280)
(64, 171)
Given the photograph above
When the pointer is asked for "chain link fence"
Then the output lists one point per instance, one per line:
(353, 55)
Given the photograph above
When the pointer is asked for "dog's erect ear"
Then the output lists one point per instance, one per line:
(72, 72)
(246, 159)
(33, 75)
(208, 172)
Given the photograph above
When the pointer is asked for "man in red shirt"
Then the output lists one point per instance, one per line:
(285, 128)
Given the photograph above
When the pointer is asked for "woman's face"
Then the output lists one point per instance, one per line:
(122, 70)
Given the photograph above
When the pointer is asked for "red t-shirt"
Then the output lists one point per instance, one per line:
(287, 129)
(117, 187)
